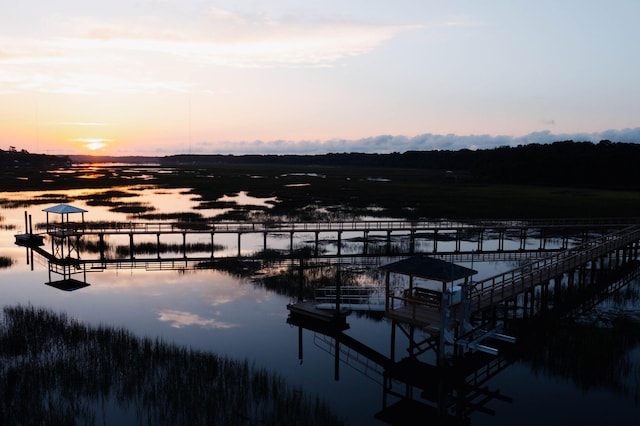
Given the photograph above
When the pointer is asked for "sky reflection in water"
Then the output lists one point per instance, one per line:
(218, 312)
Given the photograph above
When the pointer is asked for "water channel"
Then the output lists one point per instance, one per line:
(234, 316)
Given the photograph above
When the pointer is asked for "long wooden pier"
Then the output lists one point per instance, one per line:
(505, 286)
(377, 237)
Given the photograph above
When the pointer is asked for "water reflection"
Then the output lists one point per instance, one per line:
(208, 309)
(180, 319)
(597, 352)
(56, 371)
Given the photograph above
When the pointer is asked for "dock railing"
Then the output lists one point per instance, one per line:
(350, 225)
(498, 288)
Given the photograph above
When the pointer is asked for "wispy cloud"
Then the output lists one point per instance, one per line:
(181, 319)
(218, 36)
(242, 40)
(115, 55)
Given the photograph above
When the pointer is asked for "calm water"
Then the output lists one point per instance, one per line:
(215, 311)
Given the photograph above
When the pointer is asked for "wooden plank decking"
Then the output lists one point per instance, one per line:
(424, 316)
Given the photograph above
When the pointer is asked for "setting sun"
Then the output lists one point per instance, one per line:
(94, 144)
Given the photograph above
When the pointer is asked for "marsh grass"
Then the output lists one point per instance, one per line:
(283, 281)
(4, 226)
(184, 216)
(312, 192)
(132, 208)
(153, 248)
(398, 193)
(55, 370)
(107, 195)
(5, 262)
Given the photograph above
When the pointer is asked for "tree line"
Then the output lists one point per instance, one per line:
(605, 164)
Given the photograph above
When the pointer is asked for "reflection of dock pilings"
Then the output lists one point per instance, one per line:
(418, 391)
(464, 318)
(552, 282)
(414, 391)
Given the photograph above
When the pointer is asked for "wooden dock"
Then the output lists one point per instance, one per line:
(331, 318)
(490, 292)
(512, 237)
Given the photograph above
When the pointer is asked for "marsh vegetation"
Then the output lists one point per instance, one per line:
(55, 370)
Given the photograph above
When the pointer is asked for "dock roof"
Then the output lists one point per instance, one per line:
(429, 268)
(64, 209)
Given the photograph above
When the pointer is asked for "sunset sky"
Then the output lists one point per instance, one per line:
(157, 77)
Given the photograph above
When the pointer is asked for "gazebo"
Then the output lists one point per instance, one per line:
(420, 305)
(64, 231)
(429, 268)
(65, 225)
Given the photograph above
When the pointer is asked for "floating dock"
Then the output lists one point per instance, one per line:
(309, 311)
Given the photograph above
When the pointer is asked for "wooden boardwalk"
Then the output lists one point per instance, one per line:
(113, 228)
(493, 291)
(502, 287)
(501, 238)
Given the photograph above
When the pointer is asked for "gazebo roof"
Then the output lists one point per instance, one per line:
(429, 268)
(64, 209)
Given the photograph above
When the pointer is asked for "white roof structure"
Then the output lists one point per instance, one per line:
(64, 209)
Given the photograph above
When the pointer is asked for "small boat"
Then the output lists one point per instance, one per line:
(356, 298)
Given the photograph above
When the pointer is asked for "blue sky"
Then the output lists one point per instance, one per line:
(174, 76)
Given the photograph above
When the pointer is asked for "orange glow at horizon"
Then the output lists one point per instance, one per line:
(94, 144)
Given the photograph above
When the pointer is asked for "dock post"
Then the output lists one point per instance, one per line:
(239, 251)
(290, 242)
(301, 281)
(412, 242)
(101, 245)
(435, 241)
(365, 242)
(523, 239)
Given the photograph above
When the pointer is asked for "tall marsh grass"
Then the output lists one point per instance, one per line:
(54, 370)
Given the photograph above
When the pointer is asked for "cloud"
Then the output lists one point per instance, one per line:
(94, 55)
(180, 319)
(240, 42)
(425, 142)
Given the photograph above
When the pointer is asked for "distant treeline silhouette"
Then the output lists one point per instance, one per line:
(605, 164)
(13, 158)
